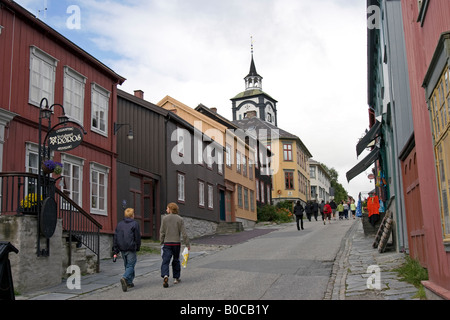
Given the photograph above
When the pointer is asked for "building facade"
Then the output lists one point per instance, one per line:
(320, 182)
(262, 156)
(425, 160)
(238, 189)
(161, 165)
(37, 62)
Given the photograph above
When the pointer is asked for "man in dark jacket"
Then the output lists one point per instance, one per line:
(127, 240)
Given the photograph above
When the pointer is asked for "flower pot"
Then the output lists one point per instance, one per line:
(46, 170)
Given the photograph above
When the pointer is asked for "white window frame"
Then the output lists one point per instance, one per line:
(201, 193)
(210, 196)
(99, 103)
(39, 60)
(74, 88)
(68, 182)
(96, 189)
(181, 194)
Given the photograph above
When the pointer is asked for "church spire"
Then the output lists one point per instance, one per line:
(253, 80)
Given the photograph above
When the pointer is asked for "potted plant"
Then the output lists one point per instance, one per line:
(50, 166)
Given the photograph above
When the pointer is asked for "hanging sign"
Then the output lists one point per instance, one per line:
(65, 139)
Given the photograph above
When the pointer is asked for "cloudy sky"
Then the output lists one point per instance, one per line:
(311, 55)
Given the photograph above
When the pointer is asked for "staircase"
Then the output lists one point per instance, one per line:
(229, 227)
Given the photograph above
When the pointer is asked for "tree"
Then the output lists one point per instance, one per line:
(339, 191)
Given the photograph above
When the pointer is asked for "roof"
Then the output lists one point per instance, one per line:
(263, 127)
(253, 72)
(251, 93)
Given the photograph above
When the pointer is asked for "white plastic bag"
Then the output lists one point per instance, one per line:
(184, 257)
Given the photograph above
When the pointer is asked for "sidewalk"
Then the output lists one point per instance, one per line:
(110, 272)
(350, 272)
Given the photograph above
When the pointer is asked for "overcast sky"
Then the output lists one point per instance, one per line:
(311, 54)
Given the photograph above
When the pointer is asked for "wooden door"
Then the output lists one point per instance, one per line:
(413, 208)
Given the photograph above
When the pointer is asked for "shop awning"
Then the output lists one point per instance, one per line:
(363, 164)
(368, 138)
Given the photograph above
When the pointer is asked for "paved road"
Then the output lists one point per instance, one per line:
(284, 264)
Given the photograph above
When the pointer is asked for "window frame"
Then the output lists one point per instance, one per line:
(100, 92)
(44, 59)
(71, 76)
(99, 170)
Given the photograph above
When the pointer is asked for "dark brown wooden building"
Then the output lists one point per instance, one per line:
(159, 165)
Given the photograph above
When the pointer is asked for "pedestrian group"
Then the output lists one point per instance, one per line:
(327, 210)
(127, 241)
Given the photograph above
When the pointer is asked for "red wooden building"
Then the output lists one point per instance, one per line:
(426, 159)
(37, 62)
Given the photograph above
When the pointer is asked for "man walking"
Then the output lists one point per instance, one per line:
(127, 241)
(172, 227)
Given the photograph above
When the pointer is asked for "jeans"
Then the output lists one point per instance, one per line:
(171, 251)
(129, 261)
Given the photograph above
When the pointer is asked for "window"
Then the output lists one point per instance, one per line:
(42, 76)
(72, 177)
(252, 200)
(287, 152)
(180, 187)
(228, 156)
(100, 103)
(440, 118)
(262, 191)
(199, 146)
(245, 198)
(99, 189)
(244, 165)
(289, 180)
(74, 94)
(220, 162)
(201, 193)
(257, 189)
(238, 161)
(312, 172)
(210, 196)
(239, 188)
(31, 166)
(32, 158)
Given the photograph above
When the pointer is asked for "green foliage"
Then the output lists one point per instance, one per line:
(412, 272)
(281, 213)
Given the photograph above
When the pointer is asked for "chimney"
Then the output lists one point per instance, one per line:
(251, 114)
(214, 110)
(139, 94)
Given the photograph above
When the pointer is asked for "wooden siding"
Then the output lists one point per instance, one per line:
(21, 32)
(420, 43)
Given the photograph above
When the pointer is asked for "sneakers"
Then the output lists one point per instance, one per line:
(176, 281)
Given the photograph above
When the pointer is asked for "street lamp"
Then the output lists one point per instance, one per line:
(45, 112)
(117, 126)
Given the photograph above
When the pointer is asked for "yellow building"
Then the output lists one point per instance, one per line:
(289, 163)
(240, 202)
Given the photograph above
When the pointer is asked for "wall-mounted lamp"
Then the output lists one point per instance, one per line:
(117, 126)
(1, 27)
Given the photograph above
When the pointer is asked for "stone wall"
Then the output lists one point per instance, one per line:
(29, 271)
(196, 228)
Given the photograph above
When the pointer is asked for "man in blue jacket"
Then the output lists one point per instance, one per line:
(127, 240)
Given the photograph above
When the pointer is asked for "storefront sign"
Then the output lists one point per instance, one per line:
(65, 139)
